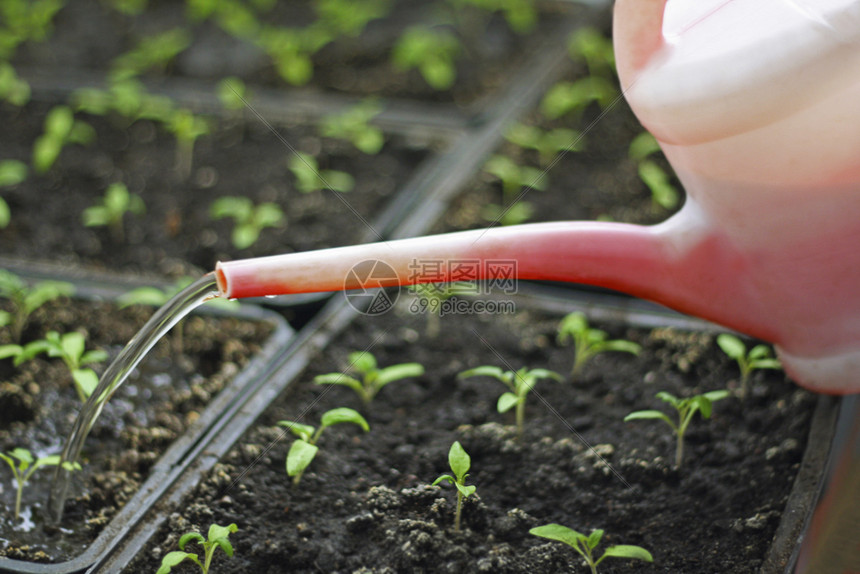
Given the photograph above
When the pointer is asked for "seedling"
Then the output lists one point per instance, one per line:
(663, 193)
(585, 545)
(588, 342)
(117, 201)
(25, 299)
(759, 357)
(154, 52)
(521, 15)
(71, 347)
(432, 51)
(186, 128)
(373, 379)
(24, 464)
(250, 219)
(12, 172)
(217, 538)
(571, 98)
(460, 462)
(595, 49)
(12, 88)
(61, 128)
(513, 177)
(309, 178)
(547, 143)
(348, 17)
(232, 93)
(291, 50)
(305, 448)
(430, 299)
(353, 125)
(685, 408)
(519, 383)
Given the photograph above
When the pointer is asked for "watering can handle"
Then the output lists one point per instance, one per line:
(638, 35)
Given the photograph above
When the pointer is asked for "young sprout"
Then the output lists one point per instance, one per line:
(61, 128)
(25, 300)
(519, 383)
(71, 347)
(12, 172)
(759, 357)
(217, 538)
(232, 93)
(585, 545)
(186, 128)
(571, 98)
(432, 51)
(513, 177)
(310, 178)
(305, 448)
(152, 53)
(24, 464)
(250, 219)
(117, 201)
(548, 143)
(663, 193)
(685, 408)
(353, 125)
(373, 379)
(588, 342)
(348, 17)
(595, 49)
(292, 49)
(430, 299)
(460, 462)
(12, 88)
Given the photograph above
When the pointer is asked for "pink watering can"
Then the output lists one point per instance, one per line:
(756, 103)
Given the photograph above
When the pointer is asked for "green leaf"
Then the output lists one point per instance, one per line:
(73, 344)
(766, 364)
(466, 491)
(86, 380)
(731, 346)
(483, 371)
(594, 538)
(343, 415)
(339, 379)
(337, 180)
(45, 151)
(220, 534)
(7, 351)
(644, 415)
(459, 460)
(443, 478)
(174, 558)
(362, 361)
(506, 402)
(559, 533)
(759, 352)
(244, 236)
(5, 214)
(302, 431)
(398, 372)
(622, 346)
(716, 395)
(642, 146)
(669, 398)
(12, 172)
(300, 456)
(627, 551)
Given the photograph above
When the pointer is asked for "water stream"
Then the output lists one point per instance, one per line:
(158, 325)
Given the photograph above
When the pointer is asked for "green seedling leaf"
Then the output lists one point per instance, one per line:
(432, 51)
(217, 538)
(627, 551)
(12, 172)
(300, 456)
(759, 357)
(506, 402)
(24, 464)
(459, 460)
(175, 558)
(344, 415)
(373, 378)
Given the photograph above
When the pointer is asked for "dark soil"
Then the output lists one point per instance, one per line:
(176, 235)
(365, 504)
(38, 406)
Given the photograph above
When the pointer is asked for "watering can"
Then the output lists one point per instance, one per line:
(756, 104)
